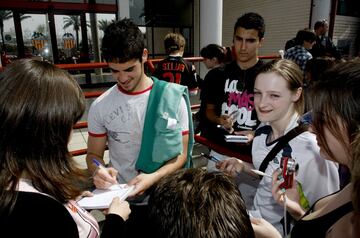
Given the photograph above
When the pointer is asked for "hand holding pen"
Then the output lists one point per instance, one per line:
(227, 121)
(104, 177)
(232, 166)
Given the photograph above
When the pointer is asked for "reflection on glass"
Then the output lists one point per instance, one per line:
(8, 37)
(36, 36)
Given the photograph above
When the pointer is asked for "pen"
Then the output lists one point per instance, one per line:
(258, 172)
(100, 166)
(210, 157)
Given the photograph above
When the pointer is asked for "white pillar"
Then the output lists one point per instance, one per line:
(211, 15)
(321, 10)
(123, 9)
(210, 22)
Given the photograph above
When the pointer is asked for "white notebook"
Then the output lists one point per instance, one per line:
(236, 138)
(103, 197)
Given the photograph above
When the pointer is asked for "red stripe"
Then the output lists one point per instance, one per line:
(185, 133)
(134, 93)
(96, 135)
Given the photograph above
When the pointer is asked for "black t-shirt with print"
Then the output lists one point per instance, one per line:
(230, 89)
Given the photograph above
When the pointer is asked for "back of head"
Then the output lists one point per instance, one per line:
(305, 35)
(213, 50)
(174, 42)
(335, 98)
(39, 104)
(319, 24)
(249, 21)
(317, 66)
(196, 203)
(291, 72)
(122, 41)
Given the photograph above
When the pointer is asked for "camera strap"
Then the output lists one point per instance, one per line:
(281, 144)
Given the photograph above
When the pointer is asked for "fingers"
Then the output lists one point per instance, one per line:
(121, 208)
(231, 166)
(104, 178)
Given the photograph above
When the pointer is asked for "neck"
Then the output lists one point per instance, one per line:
(278, 127)
(247, 64)
(145, 83)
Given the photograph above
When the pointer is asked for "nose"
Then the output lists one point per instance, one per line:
(120, 76)
(243, 45)
(262, 101)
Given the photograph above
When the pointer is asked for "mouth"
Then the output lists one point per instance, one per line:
(124, 83)
(263, 111)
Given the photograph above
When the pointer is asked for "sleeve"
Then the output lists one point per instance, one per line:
(192, 77)
(213, 86)
(114, 226)
(183, 116)
(96, 126)
(317, 176)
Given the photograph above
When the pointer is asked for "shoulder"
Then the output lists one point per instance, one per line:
(39, 215)
(107, 94)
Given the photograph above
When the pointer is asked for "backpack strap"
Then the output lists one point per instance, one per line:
(281, 144)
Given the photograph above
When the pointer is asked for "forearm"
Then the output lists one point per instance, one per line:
(296, 211)
(89, 161)
(211, 115)
(170, 167)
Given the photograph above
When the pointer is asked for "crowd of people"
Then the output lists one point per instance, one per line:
(147, 125)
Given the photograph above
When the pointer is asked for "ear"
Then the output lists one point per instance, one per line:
(261, 42)
(296, 96)
(145, 55)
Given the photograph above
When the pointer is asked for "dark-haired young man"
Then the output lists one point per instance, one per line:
(304, 41)
(146, 123)
(230, 98)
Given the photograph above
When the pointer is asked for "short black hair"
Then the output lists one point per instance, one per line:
(213, 50)
(123, 41)
(251, 20)
(305, 35)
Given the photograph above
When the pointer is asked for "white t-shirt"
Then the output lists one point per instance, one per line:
(120, 116)
(318, 177)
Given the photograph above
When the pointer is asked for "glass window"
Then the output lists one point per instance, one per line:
(349, 8)
(36, 36)
(8, 36)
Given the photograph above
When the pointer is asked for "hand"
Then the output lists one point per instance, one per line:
(291, 195)
(249, 134)
(227, 123)
(142, 182)
(121, 208)
(84, 194)
(105, 177)
(264, 229)
(231, 166)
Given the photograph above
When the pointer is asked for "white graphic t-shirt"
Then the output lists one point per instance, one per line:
(120, 116)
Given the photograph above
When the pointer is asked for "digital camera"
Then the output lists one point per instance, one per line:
(288, 168)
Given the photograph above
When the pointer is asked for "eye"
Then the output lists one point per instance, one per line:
(257, 93)
(114, 70)
(129, 69)
(251, 40)
(274, 95)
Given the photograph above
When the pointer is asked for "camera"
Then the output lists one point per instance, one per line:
(288, 168)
